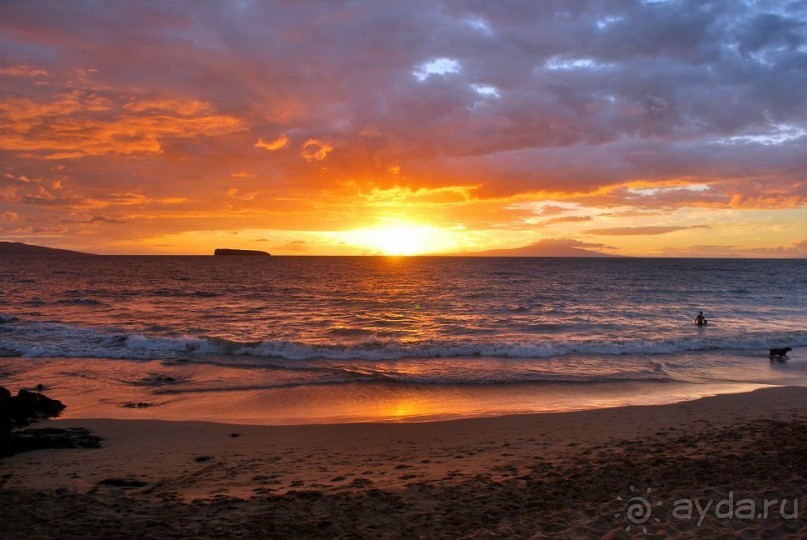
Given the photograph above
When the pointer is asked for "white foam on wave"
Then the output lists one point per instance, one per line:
(51, 339)
(390, 349)
(139, 342)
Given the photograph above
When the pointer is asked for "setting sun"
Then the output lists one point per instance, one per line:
(399, 239)
(402, 238)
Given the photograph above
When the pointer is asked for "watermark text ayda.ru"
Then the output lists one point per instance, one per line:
(731, 508)
(642, 511)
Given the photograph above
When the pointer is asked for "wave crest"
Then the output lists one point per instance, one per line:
(50, 339)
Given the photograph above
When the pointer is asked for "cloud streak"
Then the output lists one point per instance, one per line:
(651, 230)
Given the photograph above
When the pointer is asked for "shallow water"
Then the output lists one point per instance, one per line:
(153, 389)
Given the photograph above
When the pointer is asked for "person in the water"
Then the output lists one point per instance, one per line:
(700, 320)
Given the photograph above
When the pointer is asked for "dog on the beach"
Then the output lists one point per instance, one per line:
(780, 353)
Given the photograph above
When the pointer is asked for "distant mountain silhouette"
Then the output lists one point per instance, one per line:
(226, 251)
(18, 248)
(544, 248)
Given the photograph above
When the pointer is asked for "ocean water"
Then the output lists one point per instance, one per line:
(355, 323)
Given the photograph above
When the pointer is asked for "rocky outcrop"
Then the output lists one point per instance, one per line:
(25, 408)
(30, 439)
(28, 407)
(252, 252)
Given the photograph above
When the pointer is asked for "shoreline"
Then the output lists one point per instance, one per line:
(167, 390)
(505, 468)
(721, 390)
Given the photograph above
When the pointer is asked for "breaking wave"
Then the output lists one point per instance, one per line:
(34, 339)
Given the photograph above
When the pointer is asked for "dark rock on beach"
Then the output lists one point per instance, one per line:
(138, 405)
(253, 252)
(27, 407)
(122, 482)
(47, 438)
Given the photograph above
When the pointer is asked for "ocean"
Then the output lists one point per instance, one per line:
(321, 339)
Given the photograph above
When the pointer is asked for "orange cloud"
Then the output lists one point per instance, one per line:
(567, 219)
(275, 144)
(81, 123)
(23, 71)
(297, 246)
(652, 230)
(419, 196)
(234, 193)
(128, 199)
(189, 107)
(315, 150)
(552, 209)
(791, 249)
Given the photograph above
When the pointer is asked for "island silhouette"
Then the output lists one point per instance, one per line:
(18, 248)
(251, 252)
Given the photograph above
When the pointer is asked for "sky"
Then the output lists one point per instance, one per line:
(638, 128)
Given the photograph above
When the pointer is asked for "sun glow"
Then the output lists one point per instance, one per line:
(397, 240)
(402, 239)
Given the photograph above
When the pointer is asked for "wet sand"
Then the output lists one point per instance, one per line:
(166, 390)
(540, 475)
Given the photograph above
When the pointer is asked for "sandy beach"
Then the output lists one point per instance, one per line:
(544, 475)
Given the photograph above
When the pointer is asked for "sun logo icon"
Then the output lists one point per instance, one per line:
(638, 509)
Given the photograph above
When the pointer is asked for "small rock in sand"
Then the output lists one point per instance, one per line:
(122, 482)
(138, 405)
